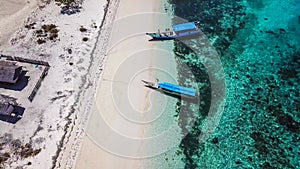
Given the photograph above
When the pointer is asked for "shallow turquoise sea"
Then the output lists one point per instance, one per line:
(258, 42)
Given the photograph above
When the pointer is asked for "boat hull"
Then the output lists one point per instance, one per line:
(169, 92)
(185, 35)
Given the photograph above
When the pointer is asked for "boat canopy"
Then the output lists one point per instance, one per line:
(178, 89)
(184, 27)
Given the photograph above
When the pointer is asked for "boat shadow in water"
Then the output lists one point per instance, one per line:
(167, 39)
(194, 100)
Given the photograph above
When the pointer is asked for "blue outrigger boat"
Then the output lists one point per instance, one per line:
(180, 31)
(172, 89)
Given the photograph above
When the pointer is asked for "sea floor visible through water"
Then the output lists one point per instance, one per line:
(258, 43)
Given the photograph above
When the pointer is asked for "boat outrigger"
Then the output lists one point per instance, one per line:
(172, 89)
(180, 31)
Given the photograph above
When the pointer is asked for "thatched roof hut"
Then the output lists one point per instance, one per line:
(7, 105)
(6, 109)
(9, 72)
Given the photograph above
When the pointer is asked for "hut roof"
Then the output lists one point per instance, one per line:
(7, 105)
(9, 72)
(6, 109)
(184, 27)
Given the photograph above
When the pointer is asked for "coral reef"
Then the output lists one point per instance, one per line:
(260, 54)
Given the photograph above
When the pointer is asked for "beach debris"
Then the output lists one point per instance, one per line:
(62, 95)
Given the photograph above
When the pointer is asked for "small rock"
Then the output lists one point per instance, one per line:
(70, 51)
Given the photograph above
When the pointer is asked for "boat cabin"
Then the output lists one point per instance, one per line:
(185, 27)
(180, 31)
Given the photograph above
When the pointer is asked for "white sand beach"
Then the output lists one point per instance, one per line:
(13, 14)
(50, 117)
(89, 80)
(114, 138)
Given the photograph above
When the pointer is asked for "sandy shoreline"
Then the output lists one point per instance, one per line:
(69, 95)
(122, 99)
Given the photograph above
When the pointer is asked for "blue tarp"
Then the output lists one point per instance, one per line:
(178, 89)
(184, 26)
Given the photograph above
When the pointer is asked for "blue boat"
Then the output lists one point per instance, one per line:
(180, 31)
(172, 89)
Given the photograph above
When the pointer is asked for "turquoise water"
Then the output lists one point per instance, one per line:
(258, 43)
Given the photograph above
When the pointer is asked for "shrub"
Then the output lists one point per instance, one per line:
(66, 2)
(40, 31)
(82, 29)
(85, 39)
(53, 36)
(54, 30)
(48, 28)
(40, 41)
(4, 157)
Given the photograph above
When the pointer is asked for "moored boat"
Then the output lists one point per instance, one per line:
(172, 89)
(180, 31)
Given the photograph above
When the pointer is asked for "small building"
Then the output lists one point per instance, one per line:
(6, 109)
(9, 72)
(7, 105)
